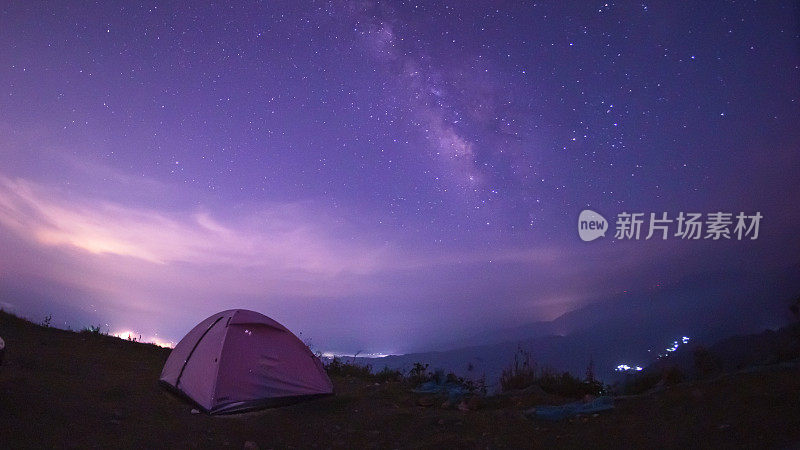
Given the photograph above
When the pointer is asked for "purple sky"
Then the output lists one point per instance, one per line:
(382, 176)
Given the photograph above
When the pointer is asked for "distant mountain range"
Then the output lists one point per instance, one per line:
(736, 353)
(627, 329)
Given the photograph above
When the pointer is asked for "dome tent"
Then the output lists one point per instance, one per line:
(239, 360)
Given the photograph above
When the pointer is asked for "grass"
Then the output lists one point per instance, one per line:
(337, 367)
(66, 389)
(522, 374)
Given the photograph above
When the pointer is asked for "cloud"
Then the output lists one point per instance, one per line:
(276, 236)
(132, 266)
(158, 270)
(88, 259)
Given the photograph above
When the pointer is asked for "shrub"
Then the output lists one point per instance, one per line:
(387, 374)
(91, 329)
(338, 367)
(476, 386)
(566, 385)
(347, 369)
(419, 374)
(521, 374)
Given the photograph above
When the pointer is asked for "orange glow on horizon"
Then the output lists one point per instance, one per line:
(138, 337)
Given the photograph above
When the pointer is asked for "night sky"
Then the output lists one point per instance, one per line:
(386, 177)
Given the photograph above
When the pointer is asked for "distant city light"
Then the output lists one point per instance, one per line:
(675, 345)
(134, 336)
(359, 355)
(627, 368)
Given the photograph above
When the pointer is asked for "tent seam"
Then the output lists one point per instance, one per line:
(219, 359)
(189, 356)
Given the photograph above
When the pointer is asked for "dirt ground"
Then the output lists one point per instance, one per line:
(80, 390)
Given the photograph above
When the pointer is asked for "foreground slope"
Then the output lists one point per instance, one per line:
(64, 389)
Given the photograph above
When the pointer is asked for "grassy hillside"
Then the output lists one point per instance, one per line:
(66, 389)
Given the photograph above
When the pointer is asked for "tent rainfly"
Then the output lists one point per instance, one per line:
(239, 360)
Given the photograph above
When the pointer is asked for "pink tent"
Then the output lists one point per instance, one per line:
(239, 360)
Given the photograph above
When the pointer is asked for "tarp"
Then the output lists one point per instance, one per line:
(453, 391)
(571, 409)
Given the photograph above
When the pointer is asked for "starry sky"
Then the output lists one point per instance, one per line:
(384, 176)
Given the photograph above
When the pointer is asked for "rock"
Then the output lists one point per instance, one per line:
(425, 401)
(250, 445)
(463, 406)
(195, 411)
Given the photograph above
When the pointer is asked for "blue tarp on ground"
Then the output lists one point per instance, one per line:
(572, 409)
(453, 391)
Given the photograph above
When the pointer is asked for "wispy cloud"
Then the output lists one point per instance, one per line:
(280, 235)
(135, 265)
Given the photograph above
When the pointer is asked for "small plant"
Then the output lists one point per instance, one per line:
(590, 378)
(47, 319)
(566, 385)
(475, 386)
(91, 329)
(418, 374)
(308, 344)
(347, 369)
(480, 385)
(521, 374)
(387, 374)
